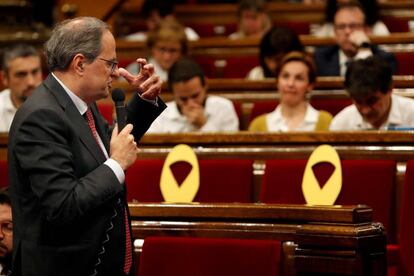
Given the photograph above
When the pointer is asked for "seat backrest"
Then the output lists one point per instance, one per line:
(106, 110)
(227, 67)
(405, 63)
(4, 174)
(396, 24)
(260, 108)
(224, 180)
(188, 256)
(333, 106)
(406, 265)
(370, 182)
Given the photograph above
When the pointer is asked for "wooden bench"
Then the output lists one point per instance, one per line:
(219, 56)
(316, 239)
(221, 19)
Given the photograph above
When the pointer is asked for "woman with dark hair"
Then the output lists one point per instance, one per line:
(371, 11)
(296, 75)
(273, 46)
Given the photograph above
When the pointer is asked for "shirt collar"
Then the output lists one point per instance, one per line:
(395, 115)
(276, 118)
(81, 106)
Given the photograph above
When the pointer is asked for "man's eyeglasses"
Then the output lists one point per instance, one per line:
(352, 26)
(169, 50)
(110, 63)
(6, 227)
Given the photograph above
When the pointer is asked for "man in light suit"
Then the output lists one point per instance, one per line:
(66, 171)
(352, 43)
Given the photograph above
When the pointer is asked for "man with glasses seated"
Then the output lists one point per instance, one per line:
(6, 233)
(352, 43)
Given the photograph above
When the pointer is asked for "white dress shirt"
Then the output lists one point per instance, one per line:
(276, 122)
(7, 110)
(220, 113)
(401, 115)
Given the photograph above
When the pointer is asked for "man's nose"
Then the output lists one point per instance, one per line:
(30, 80)
(365, 110)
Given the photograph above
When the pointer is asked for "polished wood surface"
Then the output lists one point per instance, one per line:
(311, 235)
(237, 85)
(222, 47)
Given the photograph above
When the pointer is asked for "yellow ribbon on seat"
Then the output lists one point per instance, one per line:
(186, 192)
(312, 191)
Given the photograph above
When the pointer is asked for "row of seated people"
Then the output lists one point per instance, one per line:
(167, 42)
(369, 84)
(252, 20)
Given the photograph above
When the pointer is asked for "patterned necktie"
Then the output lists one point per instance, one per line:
(91, 123)
(128, 245)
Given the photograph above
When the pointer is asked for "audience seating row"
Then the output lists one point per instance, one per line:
(219, 57)
(250, 104)
(221, 19)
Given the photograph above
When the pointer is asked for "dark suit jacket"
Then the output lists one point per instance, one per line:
(64, 199)
(327, 59)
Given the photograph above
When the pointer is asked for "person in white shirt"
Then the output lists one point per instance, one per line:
(192, 109)
(166, 44)
(369, 84)
(21, 73)
(6, 233)
(295, 79)
(154, 11)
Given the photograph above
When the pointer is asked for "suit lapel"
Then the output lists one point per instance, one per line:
(78, 122)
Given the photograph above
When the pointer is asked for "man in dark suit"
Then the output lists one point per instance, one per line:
(352, 43)
(66, 171)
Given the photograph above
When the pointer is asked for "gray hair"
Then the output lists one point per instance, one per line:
(80, 35)
(17, 51)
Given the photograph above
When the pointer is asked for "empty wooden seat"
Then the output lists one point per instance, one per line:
(178, 256)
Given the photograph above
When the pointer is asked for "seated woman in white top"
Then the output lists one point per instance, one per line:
(166, 44)
(371, 12)
(296, 75)
(274, 45)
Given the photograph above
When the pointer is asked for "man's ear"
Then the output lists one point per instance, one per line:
(78, 63)
(4, 78)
